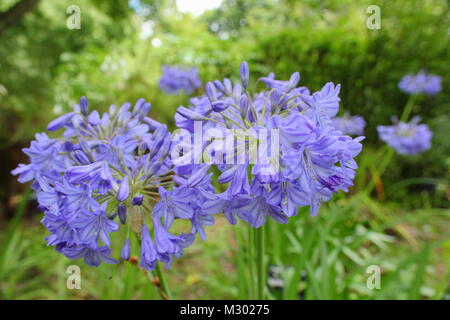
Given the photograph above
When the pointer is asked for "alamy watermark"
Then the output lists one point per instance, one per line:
(260, 147)
(73, 21)
(374, 280)
(373, 21)
(73, 281)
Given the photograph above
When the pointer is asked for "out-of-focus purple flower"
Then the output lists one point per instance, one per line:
(421, 82)
(174, 80)
(407, 138)
(351, 125)
(115, 165)
(303, 160)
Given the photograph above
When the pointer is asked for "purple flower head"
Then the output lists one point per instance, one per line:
(110, 167)
(407, 138)
(351, 125)
(174, 80)
(420, 83)
(280, 149)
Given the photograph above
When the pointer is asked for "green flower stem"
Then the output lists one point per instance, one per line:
(386, 155)
(162, 280)
(261, 268)
(408, 108)
(251, 263)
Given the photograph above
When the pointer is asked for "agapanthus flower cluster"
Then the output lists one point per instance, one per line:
(406, 138)
(174, 80)
(351, 125)
(113, 171)
(301, 159)
(420, 83)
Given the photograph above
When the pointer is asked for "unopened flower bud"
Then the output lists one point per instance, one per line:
(126, 250)
(137, 200)
(245, 74)
(122, 212)
(124, 190)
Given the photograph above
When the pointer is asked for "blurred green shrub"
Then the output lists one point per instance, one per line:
(329, 41)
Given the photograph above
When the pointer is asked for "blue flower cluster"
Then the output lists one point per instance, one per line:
(406, 138)
(420, 83)
(121, 169)
(174, 80)
(108, 171)
(309, 160)
(351, 125)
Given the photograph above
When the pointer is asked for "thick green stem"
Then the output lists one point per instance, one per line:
(387, 153)
(261, 268)
(408, 108)
(251, 262)
(162, 281)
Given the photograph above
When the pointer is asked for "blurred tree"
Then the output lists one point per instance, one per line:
(31, 51)
(227, 20)
(33, 41)
(15, 13)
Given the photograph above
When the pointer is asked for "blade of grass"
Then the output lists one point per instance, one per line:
(414, 293)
